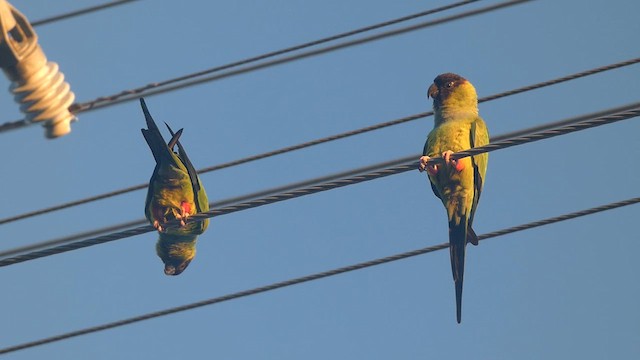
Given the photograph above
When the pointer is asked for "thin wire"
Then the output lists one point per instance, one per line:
(79, 12)
(311, 277)
(286, 50)
(372, 172)
(321, 140)
(133, 94)
(130, 95)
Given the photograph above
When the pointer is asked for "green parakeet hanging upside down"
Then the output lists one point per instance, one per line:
(175, 193)
(458, 183)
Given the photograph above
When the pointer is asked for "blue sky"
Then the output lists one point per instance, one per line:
(562, 291)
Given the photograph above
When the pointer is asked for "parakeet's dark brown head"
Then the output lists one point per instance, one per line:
(175, 268)
(176, 252)
(452, 90)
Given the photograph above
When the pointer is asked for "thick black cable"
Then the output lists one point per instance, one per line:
(216, 204)
(155, 89)
(375, 171)
(79, 12)
(311, 277)
(321, 141)
(70, 238)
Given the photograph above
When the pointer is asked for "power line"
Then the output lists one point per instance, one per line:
(216, 204)
(355, 176)
(322, 140)
(311, 277)
(130, 95)
(284, 51)
(79, 12)
(70, 238)
(155, 89)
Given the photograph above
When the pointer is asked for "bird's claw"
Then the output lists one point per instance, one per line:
(185, 209)
(157, 226)
(447, 157)
(182, 217)
(425, 165)
(452, 162)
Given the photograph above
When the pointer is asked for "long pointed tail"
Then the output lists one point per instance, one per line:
(457, 246)
(459, 300)
(160, 150)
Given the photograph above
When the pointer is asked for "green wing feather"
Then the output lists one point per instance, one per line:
(479, 136)
(200, 196)
(201, 200)
(427, 150)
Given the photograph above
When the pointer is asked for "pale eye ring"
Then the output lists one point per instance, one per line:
(449, 84)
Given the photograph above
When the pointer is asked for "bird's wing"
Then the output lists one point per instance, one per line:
(428, 145)
(479, 136)
(193, 174)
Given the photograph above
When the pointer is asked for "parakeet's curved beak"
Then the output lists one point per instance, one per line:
(432, 92)
(170, 270)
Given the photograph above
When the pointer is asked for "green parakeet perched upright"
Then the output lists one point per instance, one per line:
(457, 183)
(175, 193)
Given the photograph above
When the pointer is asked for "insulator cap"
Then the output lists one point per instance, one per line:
(37, 84)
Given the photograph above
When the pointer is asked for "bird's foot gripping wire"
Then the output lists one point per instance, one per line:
(158, 226)
(455, 164)
(431, 168)
(185, 211)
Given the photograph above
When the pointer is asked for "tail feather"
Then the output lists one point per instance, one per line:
(174, 139)
(147, 116)
(459, 301)
(471, 236)
(193, 174)
(153, 137)
(457, 245)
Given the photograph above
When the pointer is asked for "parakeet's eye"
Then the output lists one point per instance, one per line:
(449, 84)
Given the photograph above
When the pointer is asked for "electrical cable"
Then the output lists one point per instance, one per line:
(155, 89)
(287, 50)
(364, 174)
(79, 12)
(311, 277)
(322, 140)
